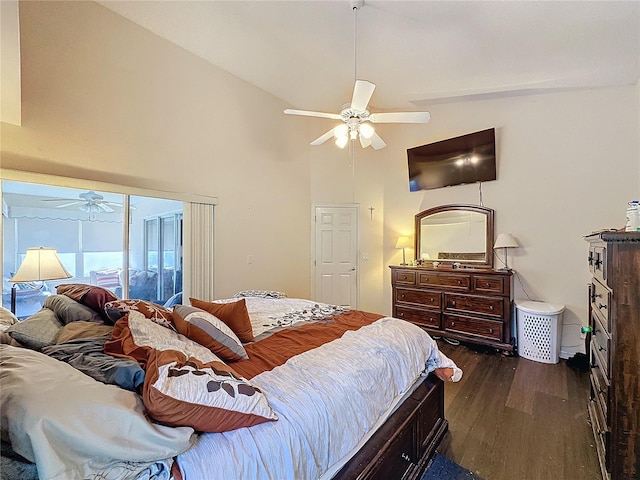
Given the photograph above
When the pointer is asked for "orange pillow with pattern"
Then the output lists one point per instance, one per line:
(234, 314)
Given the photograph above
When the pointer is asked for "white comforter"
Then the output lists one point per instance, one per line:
(326, 400)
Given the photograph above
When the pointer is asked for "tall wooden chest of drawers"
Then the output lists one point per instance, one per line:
(470, 305)
(614, 317)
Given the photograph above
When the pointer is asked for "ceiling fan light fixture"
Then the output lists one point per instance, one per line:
(341, 130)
(342, 141)
(366, 130)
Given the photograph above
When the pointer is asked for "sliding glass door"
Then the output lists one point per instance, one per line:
(94, 243)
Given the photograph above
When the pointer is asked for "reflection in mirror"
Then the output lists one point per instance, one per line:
(455, 234)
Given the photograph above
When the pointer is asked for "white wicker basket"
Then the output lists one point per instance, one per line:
(539, 330)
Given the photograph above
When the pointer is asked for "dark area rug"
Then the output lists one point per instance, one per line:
(441, 468)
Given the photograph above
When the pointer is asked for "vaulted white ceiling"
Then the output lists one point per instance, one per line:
(417, 52)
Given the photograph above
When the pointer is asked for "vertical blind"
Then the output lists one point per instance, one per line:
(198, 281)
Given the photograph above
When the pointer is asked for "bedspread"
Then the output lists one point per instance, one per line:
(326, 400)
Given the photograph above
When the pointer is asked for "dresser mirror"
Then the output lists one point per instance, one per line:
(455, 234)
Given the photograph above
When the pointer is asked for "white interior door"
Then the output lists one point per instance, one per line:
(335, 261)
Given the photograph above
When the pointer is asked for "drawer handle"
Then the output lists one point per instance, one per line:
(406, 457)
(453, 324)
(601, 349)
(453, 303)
(602, 306)
(491, 330)
(590, 258)
(459, 282)
(491, 307)
(401, 314)
(432, 299)
(402, 295)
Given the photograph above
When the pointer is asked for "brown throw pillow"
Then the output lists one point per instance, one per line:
(88, 295)
(234, 314)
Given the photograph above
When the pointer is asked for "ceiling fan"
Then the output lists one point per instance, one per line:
(90, 202)
(356, 116)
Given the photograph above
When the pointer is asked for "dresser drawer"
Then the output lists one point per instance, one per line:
(600, 302)
(399, 457)
(598, 262)
(425, 298)
(473, 326)
(600, 344)
(404, 277)
(599, 388)
(426, 318)
(448, 280)
(489, 284)
(490, 306)
(600, 433)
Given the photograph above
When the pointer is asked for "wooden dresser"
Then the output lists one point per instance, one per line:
(614, 317)
(469, 305)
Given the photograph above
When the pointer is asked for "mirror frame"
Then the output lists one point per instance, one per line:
(489, 235)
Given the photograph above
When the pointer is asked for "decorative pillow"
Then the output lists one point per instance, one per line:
(6, 319)
(209, 331)
(234, 314)
(260, 293)
(80, 330)
(162, 316)
(89, 295)
(108, 278)
(209, 397)
(68, 310)
(39, 330)
(135, 336)
(105, 432)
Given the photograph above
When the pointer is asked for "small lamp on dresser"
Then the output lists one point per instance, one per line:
(403, 243)
(505, 241)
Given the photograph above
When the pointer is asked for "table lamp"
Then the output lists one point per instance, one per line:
(403, 243)
(39, 264)
(505, 241)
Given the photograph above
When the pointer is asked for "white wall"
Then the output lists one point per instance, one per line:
(105, 100)
(567, 165)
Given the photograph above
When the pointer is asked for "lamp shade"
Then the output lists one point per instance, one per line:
(505, 240)
(40, 264)
(404, 242)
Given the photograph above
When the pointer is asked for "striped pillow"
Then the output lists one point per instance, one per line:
(209, 331)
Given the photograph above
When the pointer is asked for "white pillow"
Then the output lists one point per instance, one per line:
(74, 427)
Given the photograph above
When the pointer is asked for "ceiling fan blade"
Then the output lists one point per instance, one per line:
(400, 117)
(376, 142)
(362, 94)
(306, 113)
(323, 138)
(68, 204)
(365, 142)
(106, 207)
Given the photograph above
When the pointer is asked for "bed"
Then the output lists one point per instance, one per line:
(257, 386)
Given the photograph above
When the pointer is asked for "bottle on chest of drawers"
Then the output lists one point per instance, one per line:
(471, 305)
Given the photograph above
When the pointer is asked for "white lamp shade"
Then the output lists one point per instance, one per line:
(40, 264)
(404, 242)
(505, 240)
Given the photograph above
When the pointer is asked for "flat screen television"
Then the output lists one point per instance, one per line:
(469, 158)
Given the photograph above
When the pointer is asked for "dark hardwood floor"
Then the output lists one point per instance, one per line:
(515, 419)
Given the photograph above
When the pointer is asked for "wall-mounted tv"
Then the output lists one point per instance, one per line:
(469, 158)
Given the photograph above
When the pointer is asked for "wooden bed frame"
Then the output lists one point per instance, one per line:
(402, 447)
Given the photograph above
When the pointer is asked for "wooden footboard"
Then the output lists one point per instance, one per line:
(403, 446)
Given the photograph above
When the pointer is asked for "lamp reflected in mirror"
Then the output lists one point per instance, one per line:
(39, 264)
